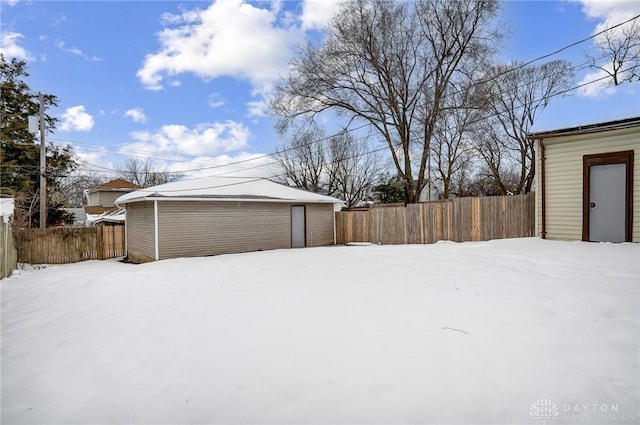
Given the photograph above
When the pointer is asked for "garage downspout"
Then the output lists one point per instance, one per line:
(155, 225)
(126, 234)
(543, 196)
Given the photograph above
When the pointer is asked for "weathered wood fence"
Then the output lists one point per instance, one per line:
(69, 244)
(8, 255)
(459, 219)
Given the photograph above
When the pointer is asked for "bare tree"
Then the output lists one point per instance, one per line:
(451, 147)
(145, 173)
(620, 49)
(390, 64)
(339, 165)
(354, 169)
(302, 160)
(512, 95)
(70, 190)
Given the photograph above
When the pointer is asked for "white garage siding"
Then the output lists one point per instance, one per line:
(320, 224)
(140, 232)
(564, 179)
(200, 228)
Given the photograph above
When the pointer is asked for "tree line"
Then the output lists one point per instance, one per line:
(397, 102)
(422, 76)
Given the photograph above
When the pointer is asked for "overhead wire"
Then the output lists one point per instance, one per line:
(384, 148)
(157, 155)
(263, 156)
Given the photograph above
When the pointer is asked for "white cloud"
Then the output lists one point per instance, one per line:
(609, 12)
(136, 114)
(316, 14)
(241, 165)
(204, 139)
(76, 119)
(230, 38)
(215, 101)
(61, 45)
(594, 84)
(73, 50)
(9, 2)
(9, 46)
(258, 108)
(94, 162)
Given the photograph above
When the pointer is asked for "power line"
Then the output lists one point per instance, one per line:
(482, 118)
(234, 163)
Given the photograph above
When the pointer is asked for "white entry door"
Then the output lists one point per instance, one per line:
(607, 192)
(298, 227)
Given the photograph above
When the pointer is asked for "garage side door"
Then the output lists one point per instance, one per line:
(298, 227)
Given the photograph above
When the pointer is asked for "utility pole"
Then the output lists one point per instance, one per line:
(43, 169)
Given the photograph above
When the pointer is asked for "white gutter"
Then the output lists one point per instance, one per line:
(201, 199)
(126, 239)
(155, 225)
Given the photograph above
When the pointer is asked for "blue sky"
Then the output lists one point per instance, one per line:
(185, 83)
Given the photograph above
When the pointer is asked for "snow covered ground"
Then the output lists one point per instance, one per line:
(512, 331)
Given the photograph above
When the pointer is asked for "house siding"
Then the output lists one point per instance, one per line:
(564, 179)
(140, 232)
(320, 224)
(103, 198)
(199, 228)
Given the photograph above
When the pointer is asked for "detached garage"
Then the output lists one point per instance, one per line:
(220, 215)
(588, 182)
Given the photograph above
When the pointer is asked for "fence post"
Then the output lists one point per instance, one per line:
(99, 243)
(8, 256)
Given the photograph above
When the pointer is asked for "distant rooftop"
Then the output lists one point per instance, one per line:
(117, 184)
(97, 210)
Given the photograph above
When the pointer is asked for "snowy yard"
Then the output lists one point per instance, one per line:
(469, 333)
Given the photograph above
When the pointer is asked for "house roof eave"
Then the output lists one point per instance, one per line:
(586, 129)
(226, 199)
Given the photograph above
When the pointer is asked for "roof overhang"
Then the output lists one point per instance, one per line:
(587, 129)
(227, 199)
(111, 189)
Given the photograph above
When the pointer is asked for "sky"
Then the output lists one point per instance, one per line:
(186, 84)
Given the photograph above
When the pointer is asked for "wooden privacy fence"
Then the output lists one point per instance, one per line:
(69, 244)
(459, 219)
(8, 255)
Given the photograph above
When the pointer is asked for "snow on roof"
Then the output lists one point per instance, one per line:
(115, 217)
(226, 189)
(109, 215)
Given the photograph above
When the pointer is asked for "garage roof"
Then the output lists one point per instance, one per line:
(251, 189)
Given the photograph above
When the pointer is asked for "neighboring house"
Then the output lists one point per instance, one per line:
(105, 194)
(218, 215)
(101, 202)
(588, 182)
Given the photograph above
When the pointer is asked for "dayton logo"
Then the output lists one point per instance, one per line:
(544, 409)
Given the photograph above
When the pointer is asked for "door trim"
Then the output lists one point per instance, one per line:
(623, 157)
